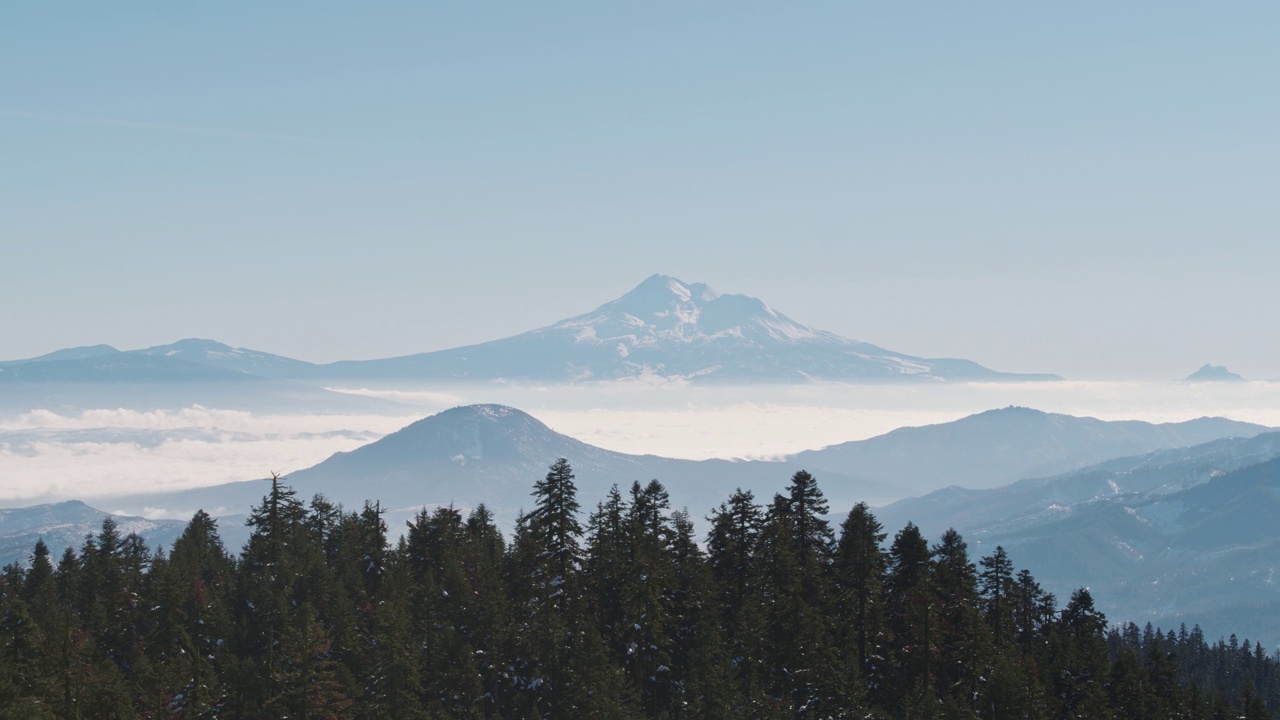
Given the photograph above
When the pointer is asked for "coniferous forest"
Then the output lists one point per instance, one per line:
(616, 612)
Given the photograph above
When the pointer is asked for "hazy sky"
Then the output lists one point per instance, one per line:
(1087, 188)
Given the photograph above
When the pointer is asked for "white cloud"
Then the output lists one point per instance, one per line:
(45, 455)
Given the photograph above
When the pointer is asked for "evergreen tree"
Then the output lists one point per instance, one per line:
(648, 586)
(1078, 660)
(562, 668)
(860, 567)
(192, 590)
(440, 596)
(320, 618)
(553, 525)
(487, 613)
(733, 547)
(276, 560)
(393, 685)
(27, 670)
(961, 637)
(607, 557)
(306, 685)
(996, 585)
(700, 665)
(911, 620)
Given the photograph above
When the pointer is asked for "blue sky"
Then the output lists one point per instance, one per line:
(1083, 188)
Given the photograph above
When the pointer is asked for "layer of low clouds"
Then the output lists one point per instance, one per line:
(46, 455)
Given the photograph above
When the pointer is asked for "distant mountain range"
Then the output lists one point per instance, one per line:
(997, 447)
(1180, 535)
(1148, 530)
(663, 328)
(493, 454)
(65, 524)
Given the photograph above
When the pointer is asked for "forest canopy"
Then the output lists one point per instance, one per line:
(618, 612)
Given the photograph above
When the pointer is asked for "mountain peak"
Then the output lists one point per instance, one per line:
(1213, 373)
(658, 293)
(666, 310)
(491, 413)
(487, 430)
(666, 329)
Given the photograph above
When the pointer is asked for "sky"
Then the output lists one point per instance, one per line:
(1082, 188)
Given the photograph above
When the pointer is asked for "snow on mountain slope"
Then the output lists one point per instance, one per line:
(65, 525)
(664, 328)
(674, 330)
(219, 355)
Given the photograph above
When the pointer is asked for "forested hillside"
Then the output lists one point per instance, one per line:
(619, 612)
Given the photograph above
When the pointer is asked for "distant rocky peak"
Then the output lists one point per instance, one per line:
(662, 296)
(666, 308)
(1213, 373)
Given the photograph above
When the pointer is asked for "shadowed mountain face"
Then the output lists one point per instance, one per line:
(664, 328)
(998, 447)
(1182, 535)
(494, 454)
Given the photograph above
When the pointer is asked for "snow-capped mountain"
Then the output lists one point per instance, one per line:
(664, 328)
(671, 329)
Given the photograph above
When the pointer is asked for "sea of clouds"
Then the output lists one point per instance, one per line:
(48, 455)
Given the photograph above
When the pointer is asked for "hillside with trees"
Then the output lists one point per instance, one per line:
(614, 612)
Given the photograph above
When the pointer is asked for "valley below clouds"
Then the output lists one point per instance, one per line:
(48, 455)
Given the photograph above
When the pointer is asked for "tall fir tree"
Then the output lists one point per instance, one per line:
(911, 619)
(860, 567)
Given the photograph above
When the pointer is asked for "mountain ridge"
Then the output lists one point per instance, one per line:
(1157, 534)
(663, 328)
(493, 453)
(978, 451)
(1110, 515)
